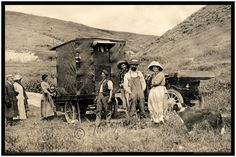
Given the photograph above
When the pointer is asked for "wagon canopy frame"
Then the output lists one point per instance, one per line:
(92, 38)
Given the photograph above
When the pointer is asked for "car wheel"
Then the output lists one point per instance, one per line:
(70, 112)
(174, 97)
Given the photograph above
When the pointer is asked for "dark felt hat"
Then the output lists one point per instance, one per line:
(105, 72)
(120, 62)
(44, 76)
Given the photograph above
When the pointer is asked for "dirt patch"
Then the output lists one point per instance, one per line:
(34, 99)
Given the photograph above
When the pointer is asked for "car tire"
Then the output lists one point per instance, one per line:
(174, 97)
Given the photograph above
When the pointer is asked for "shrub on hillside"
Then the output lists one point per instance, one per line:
(20, 57)
(219, 95)
(214, 54)
(33, 86)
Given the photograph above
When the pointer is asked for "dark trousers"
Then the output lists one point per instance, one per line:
(9, 121)
(102, 105)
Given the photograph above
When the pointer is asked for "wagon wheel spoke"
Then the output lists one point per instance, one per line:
(174, 96)
(70, 112)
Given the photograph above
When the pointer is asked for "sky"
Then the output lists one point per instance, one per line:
(141, 19)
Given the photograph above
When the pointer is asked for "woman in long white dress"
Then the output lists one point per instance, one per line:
(157, 99)
(20, 97)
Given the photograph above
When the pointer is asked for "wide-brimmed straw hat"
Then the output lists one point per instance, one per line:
(155, 63)
(9, 75)
(134, 62)
(17, 77)
(52, 89)
(120, 62)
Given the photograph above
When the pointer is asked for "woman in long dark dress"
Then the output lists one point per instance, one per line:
(47, 105)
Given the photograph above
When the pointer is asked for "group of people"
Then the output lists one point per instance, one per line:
(132, 86)
(16, 104)
(16, 100)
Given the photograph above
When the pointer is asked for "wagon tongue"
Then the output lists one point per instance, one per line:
(194, 74)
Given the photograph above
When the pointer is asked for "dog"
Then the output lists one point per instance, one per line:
(189, 117)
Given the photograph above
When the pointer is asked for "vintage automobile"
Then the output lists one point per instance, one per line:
(183, 87)
(79, 66)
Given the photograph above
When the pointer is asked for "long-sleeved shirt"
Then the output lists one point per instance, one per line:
(128, 76)
(158, 79)
(45, 87)
(121, 75)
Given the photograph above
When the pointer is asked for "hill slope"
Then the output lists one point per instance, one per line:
(205, 36)
(37, 34)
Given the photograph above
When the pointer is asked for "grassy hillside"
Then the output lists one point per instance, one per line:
(38, 34)
(204, 36)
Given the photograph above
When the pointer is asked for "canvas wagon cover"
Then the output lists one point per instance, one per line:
(72, 80)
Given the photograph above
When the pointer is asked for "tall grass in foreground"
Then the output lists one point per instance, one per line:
(33, 135)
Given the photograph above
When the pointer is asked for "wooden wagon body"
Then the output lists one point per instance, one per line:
(79, 66)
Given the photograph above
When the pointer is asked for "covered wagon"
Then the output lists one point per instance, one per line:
(79, 66)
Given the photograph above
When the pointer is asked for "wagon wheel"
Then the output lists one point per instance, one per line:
(174, 97)
(70, 112)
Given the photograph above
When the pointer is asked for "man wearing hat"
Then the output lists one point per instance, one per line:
(21, 97)
(11, 108)
(134, 85)
(124, 68)
(104, 96)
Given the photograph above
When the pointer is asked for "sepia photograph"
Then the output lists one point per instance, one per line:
(117, 78)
